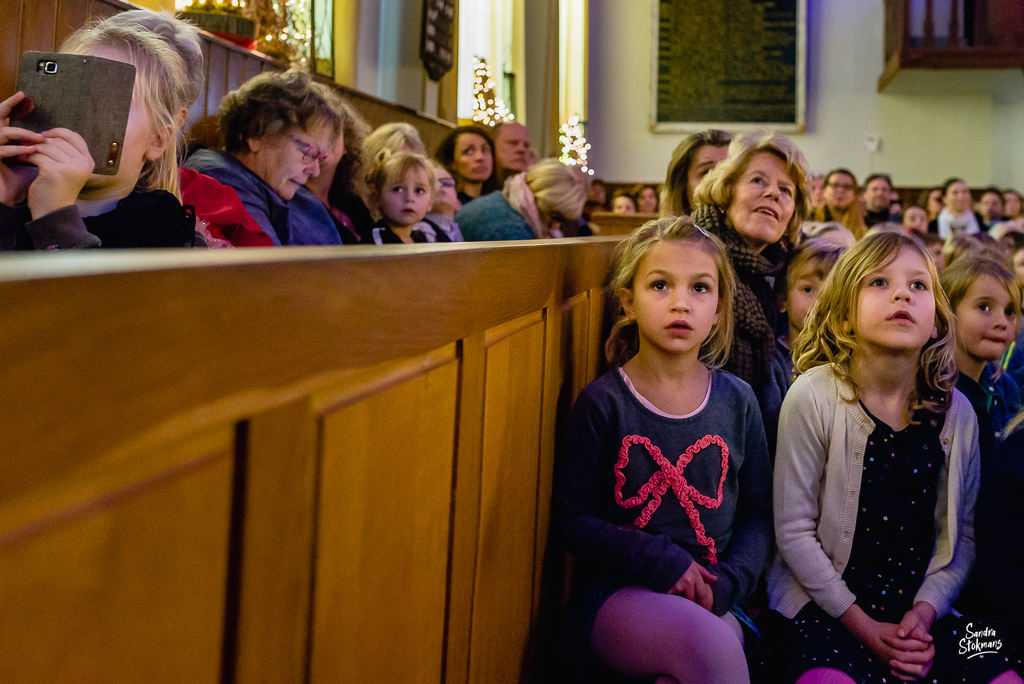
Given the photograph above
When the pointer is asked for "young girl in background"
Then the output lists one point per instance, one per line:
(58, 203)
(875, 480)
(401, 191)
(660, 573)
(986, 300)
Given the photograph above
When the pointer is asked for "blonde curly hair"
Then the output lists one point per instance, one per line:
(829, 334)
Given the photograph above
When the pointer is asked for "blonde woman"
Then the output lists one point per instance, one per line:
(533, 204)
(755, 201)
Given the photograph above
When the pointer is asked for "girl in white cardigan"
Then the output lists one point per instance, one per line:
(875, 480)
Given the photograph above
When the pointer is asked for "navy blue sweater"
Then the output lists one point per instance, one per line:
(616, 450)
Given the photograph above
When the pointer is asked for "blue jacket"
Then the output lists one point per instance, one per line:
(302, 220)
(491, 217)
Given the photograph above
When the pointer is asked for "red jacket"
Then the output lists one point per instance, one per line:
(218, 205)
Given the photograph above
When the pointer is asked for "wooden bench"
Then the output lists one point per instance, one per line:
(304, 464)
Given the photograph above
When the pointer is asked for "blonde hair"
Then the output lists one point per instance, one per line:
(819, 254)
(717, 187)
(829, 334)
(556, 188)
(390, 167)
(624, 340)
(161, 86)
(392, 137)
(957, 280)
(957, 246)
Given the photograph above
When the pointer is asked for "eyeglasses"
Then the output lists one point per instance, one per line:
(841, 186)
(309, 151)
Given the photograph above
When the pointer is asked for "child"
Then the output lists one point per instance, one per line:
(986, 300)
(439, 224)
(661, 573)
(58, 203)
(623, 203)
(935, 246)
(808, 266)
(401, 190)
(875, 479)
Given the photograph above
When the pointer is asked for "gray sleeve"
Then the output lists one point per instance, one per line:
(61, 229)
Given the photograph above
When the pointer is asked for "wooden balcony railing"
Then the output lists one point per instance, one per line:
(952, 34)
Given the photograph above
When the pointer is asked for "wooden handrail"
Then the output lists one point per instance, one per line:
(255, 464)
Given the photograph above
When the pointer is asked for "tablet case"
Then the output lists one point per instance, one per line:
(89, 95)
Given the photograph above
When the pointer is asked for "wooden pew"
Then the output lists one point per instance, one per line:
(609, 223)
(304, 464)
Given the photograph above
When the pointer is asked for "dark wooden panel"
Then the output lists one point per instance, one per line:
(99, 8)
(10, 52)
(235, 70)
(216, 76)
(38, 25)
(71, 15)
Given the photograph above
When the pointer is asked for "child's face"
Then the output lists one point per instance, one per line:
(985, 320)
(804, 288)
(896, 306)
(936, 251)
(623, 205)
(447, 200)
(915, 220)
(141, 143)
(404, 203)
(1018, 265)
(674, 299)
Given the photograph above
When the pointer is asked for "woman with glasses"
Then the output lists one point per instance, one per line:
(278, 128)
(841, 203)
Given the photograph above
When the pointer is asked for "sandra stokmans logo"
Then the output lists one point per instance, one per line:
(981, 642)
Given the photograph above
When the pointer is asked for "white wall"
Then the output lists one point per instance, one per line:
(932, 124)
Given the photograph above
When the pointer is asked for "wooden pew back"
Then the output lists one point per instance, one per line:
(306, 464)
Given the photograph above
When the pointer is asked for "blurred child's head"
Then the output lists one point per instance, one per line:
(149, 157)
(934, 244)
(632, 254)
(915, 220)
(622, 202)
(401, 188)
(831, 231)
(957, 246)
(806, 271)
(844, 316)
(986, 299)
(1018, 262)
(446, 196)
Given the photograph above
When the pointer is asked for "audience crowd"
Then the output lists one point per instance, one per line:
(861, 353)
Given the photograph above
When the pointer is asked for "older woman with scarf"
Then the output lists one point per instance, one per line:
(755, 201)
(533, 204)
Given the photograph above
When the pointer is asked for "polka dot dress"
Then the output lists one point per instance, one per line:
(892, 546)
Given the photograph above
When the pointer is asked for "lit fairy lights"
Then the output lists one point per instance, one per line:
(488, 108)
(216, 6)
(574, 146)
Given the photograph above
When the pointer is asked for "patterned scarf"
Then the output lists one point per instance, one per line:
(754, 307)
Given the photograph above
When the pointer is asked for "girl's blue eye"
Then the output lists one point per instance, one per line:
(984, 307)
(701, 287)
(919, 285)
(659, 285)
(877, 282)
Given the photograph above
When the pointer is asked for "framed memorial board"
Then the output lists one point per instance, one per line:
(729, 64)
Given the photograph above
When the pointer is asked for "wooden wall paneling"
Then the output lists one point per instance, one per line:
(10, 44)
(117, 571)
(276, 578)
(596, 335)
(38, 25)
(198, 110)
(503, 597)
(383, 524)
(216, 76)
(101, 9)
(466, 508)
(71, 16)
(236, 70)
